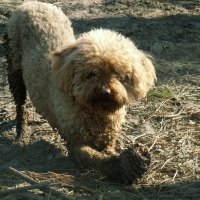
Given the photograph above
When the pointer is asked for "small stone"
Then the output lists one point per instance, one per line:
(156, 48)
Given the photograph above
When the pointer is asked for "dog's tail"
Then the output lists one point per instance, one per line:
(15, 79)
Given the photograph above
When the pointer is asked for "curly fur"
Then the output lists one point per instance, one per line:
(82, 86)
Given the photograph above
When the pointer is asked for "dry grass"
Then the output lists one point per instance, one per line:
(173, 140)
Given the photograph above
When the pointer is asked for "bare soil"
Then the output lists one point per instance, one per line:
(170, 32)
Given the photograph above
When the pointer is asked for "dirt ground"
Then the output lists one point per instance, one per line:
(170, 32)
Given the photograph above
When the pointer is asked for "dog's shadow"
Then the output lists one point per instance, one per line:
(38, 157)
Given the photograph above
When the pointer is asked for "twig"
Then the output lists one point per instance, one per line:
(153, 144)
(32, 181)
(168, 116)
(22, 176)
(64, 179)
(167, 161)
(57, 3)
(175, 175)
(139, 136)
(125, 136)
(161, 126)
(23, 189)
(175, 115)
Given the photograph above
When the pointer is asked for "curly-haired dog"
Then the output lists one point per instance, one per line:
(82, 88)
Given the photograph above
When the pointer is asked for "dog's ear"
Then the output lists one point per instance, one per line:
(144, 76)
(63, 62)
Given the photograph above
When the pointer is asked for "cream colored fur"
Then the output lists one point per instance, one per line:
(64, 95)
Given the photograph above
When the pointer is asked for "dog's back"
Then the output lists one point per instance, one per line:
(34, 30)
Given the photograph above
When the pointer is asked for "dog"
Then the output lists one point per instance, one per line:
(82, 87)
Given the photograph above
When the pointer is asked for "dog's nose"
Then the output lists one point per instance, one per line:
(104, 94)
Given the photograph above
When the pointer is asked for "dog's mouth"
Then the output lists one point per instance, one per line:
(105, 101)
(105, 105)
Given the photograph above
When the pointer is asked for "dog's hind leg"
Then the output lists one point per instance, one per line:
(17, 88)
(18, 91)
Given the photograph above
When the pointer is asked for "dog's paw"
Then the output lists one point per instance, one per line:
(134, 162)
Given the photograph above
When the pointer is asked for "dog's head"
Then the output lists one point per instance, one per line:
(103, 70)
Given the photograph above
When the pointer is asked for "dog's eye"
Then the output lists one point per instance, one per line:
(90, 75)
(124, 79)
(117, 75)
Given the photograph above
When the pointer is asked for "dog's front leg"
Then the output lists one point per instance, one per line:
(106, 164)
(126, 167)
